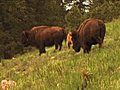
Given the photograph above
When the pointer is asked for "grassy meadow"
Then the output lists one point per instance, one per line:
(66, 69)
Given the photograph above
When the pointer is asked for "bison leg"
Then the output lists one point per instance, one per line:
(56, 46)
(42, 50)
(87, 48)
(100, 41)
(60, 46)
(69, 45)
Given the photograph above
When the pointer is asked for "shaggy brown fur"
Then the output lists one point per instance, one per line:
(91, 32)
(42, 36)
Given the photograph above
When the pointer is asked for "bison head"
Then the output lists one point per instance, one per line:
(25, 38)
(75, 39)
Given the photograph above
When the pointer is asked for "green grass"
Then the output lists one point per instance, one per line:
(64, 70)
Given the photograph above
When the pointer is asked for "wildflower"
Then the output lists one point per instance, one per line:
(6, 84)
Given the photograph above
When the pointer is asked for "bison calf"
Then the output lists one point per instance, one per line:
(69, 39)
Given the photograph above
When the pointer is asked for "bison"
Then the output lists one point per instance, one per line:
(43, 36)
(90, 32)
(69, 39)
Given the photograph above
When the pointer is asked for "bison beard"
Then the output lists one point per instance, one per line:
(90, 32)
(42, 36)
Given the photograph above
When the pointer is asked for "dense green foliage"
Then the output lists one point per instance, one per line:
(19, 15)
(105, 11)
(73, 18)
(66, 69)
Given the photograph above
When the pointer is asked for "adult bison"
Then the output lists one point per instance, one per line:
(90, 32)
(42, 36)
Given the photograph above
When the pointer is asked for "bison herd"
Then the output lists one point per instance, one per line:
(90, 32)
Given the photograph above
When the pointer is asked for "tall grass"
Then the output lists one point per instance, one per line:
(65, 70)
